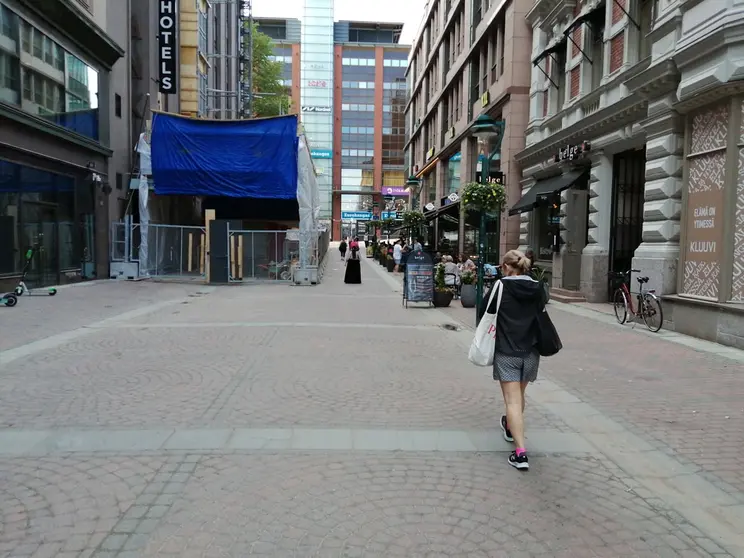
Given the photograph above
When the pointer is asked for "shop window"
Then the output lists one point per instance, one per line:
(546, 220)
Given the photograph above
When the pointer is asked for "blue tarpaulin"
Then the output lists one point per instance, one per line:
(233, 158)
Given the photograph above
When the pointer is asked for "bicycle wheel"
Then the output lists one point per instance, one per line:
(653, 315)
(620, 302)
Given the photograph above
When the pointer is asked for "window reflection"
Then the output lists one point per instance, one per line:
(37, 206)
(44, 79)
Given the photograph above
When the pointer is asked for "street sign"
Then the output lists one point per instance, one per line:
(361, 215)
(419, 278)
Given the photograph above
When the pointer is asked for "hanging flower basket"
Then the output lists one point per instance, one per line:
(489, 197)
(413, 219)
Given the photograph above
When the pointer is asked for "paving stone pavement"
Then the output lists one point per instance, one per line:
(179, 420)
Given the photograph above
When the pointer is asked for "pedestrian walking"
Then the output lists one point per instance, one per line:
(516, 360)
(342, 248)
(397, 255)
(353, 275)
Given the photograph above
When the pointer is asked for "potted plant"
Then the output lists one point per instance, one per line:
(467, 291)
(442, 293)
(390, 263)
(540, 275)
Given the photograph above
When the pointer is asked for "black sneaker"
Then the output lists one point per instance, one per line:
(519, 461)
(507, 433)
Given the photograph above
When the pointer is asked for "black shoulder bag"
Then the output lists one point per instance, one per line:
(548, 341)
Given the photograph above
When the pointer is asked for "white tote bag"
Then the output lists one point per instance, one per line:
(483, 346)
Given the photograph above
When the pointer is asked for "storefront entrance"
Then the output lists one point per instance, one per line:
(40, 229)
(626, 232)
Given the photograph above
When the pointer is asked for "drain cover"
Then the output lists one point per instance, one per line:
(451, 327)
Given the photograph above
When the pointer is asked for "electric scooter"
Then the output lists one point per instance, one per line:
(22, 289)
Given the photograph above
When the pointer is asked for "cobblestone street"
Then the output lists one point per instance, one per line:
(152, 419)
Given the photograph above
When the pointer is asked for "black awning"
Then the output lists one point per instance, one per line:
(552, 49)
(449, 209)
(545, 188)
(587, 17)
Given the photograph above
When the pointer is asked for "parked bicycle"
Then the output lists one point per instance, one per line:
(648, 306)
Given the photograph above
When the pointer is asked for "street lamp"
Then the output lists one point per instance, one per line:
(490, 131)
(413, 186)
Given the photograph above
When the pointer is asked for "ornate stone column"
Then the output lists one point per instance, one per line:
(595, 258)
(658, 254)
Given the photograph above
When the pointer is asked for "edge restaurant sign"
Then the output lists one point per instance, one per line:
(168, 46)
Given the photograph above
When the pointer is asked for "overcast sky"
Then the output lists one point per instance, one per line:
(408, 12)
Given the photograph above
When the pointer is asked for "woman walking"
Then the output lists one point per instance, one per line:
(516, 360)
(353, 273)
(342, 248)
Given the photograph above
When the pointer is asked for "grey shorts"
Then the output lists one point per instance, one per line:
(508, 368)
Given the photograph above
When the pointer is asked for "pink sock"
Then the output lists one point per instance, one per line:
(520, 451)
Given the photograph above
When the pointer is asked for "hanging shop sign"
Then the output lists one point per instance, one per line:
(316, 109)
(168, 46)
(419, 284)
(429, 206)
(430, 154)
(394, 191)
(572, 152)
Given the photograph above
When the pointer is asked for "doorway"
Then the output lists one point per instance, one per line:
(40, 230)
(626, 232)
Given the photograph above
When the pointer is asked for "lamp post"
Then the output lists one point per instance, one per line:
(491, 132)
(412, 187)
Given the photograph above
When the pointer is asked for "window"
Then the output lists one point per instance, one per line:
(558, 66)
(119, 181)
(26, 33)
(38, 44)
(646, 20)
(117, 105)
(8, 23)
(203, 34)
(597, 28)
(477, 12)
(484, 67)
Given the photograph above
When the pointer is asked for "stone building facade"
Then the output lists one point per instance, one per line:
(659, 123)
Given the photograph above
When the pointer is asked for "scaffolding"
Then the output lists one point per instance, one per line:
(241, 92)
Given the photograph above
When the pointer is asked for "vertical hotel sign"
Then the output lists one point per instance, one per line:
(168, 46)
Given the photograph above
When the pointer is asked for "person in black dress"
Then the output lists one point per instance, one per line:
(353, 274)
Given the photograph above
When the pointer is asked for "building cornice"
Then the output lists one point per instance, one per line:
(625, 111)
(709, 96)
(656, 80)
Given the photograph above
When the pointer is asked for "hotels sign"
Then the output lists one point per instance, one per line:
(168, 46)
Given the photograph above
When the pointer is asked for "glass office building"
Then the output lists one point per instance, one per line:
(350, 95)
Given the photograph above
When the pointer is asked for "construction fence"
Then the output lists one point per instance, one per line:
(181, 251)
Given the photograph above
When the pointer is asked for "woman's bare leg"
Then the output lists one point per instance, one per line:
(514, 399)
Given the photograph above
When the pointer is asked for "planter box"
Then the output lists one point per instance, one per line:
(390, 264)
(468, 296)
(442, 299)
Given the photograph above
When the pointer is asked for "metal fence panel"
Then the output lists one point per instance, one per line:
(175, 250)
(261, 255)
